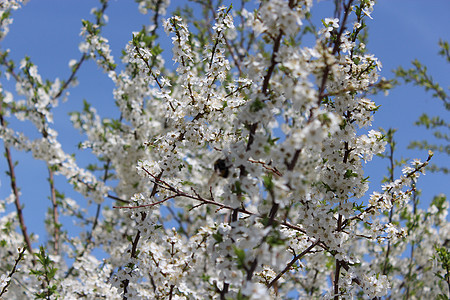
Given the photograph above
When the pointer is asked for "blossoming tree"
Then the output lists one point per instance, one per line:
(237, 175)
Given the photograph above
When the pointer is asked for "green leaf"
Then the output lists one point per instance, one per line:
(349, 173)
(218, 237)
(257, 105)
(240, 253)
(268, 183)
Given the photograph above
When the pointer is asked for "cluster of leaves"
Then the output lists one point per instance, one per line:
(419, 76)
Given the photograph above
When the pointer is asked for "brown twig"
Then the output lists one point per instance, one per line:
(273, 62)
(291, 263)
(15, 189)
(274, 170)
(13, 270)
(55, 216)
(179, 193)
(94, 225)
(338, 263)
(391, 211)
(231, 47)
(126, 282)
(117, 198)
(293, 162)
(82, 58)
(337, 44)
(150, 204)
(373, 207)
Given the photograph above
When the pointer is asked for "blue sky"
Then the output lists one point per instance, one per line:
(48, 32)
(401, 32)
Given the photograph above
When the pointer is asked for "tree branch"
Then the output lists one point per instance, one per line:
(15, 189)
(291, 263)
(55, 216)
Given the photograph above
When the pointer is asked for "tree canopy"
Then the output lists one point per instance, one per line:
(234, 171)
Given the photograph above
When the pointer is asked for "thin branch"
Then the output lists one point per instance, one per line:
(343, 263)
(117, 198)
(179, 193)
(336, 279)
(273, 62)
(82, 58)
(276, 47)
(94, 225)
(55, 216)
(141, 56)
(373, 207)
(15, 189)
(126, 282)
(413, 245)
(293, 162)
(338, 264)
(231, 47)
(72, 76)
(274, 170)
(171, 292)
(13, 270)
(391, 211)
(237, 90)
(337, 44)
(292, 262)
(151, 204)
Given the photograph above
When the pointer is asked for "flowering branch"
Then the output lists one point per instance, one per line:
(83, 57)
(292, 262)
(15, 190)
(13, 270)
(337, 43)
(228, 171)
(411, 175)
(56, 223)
(178, 193)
